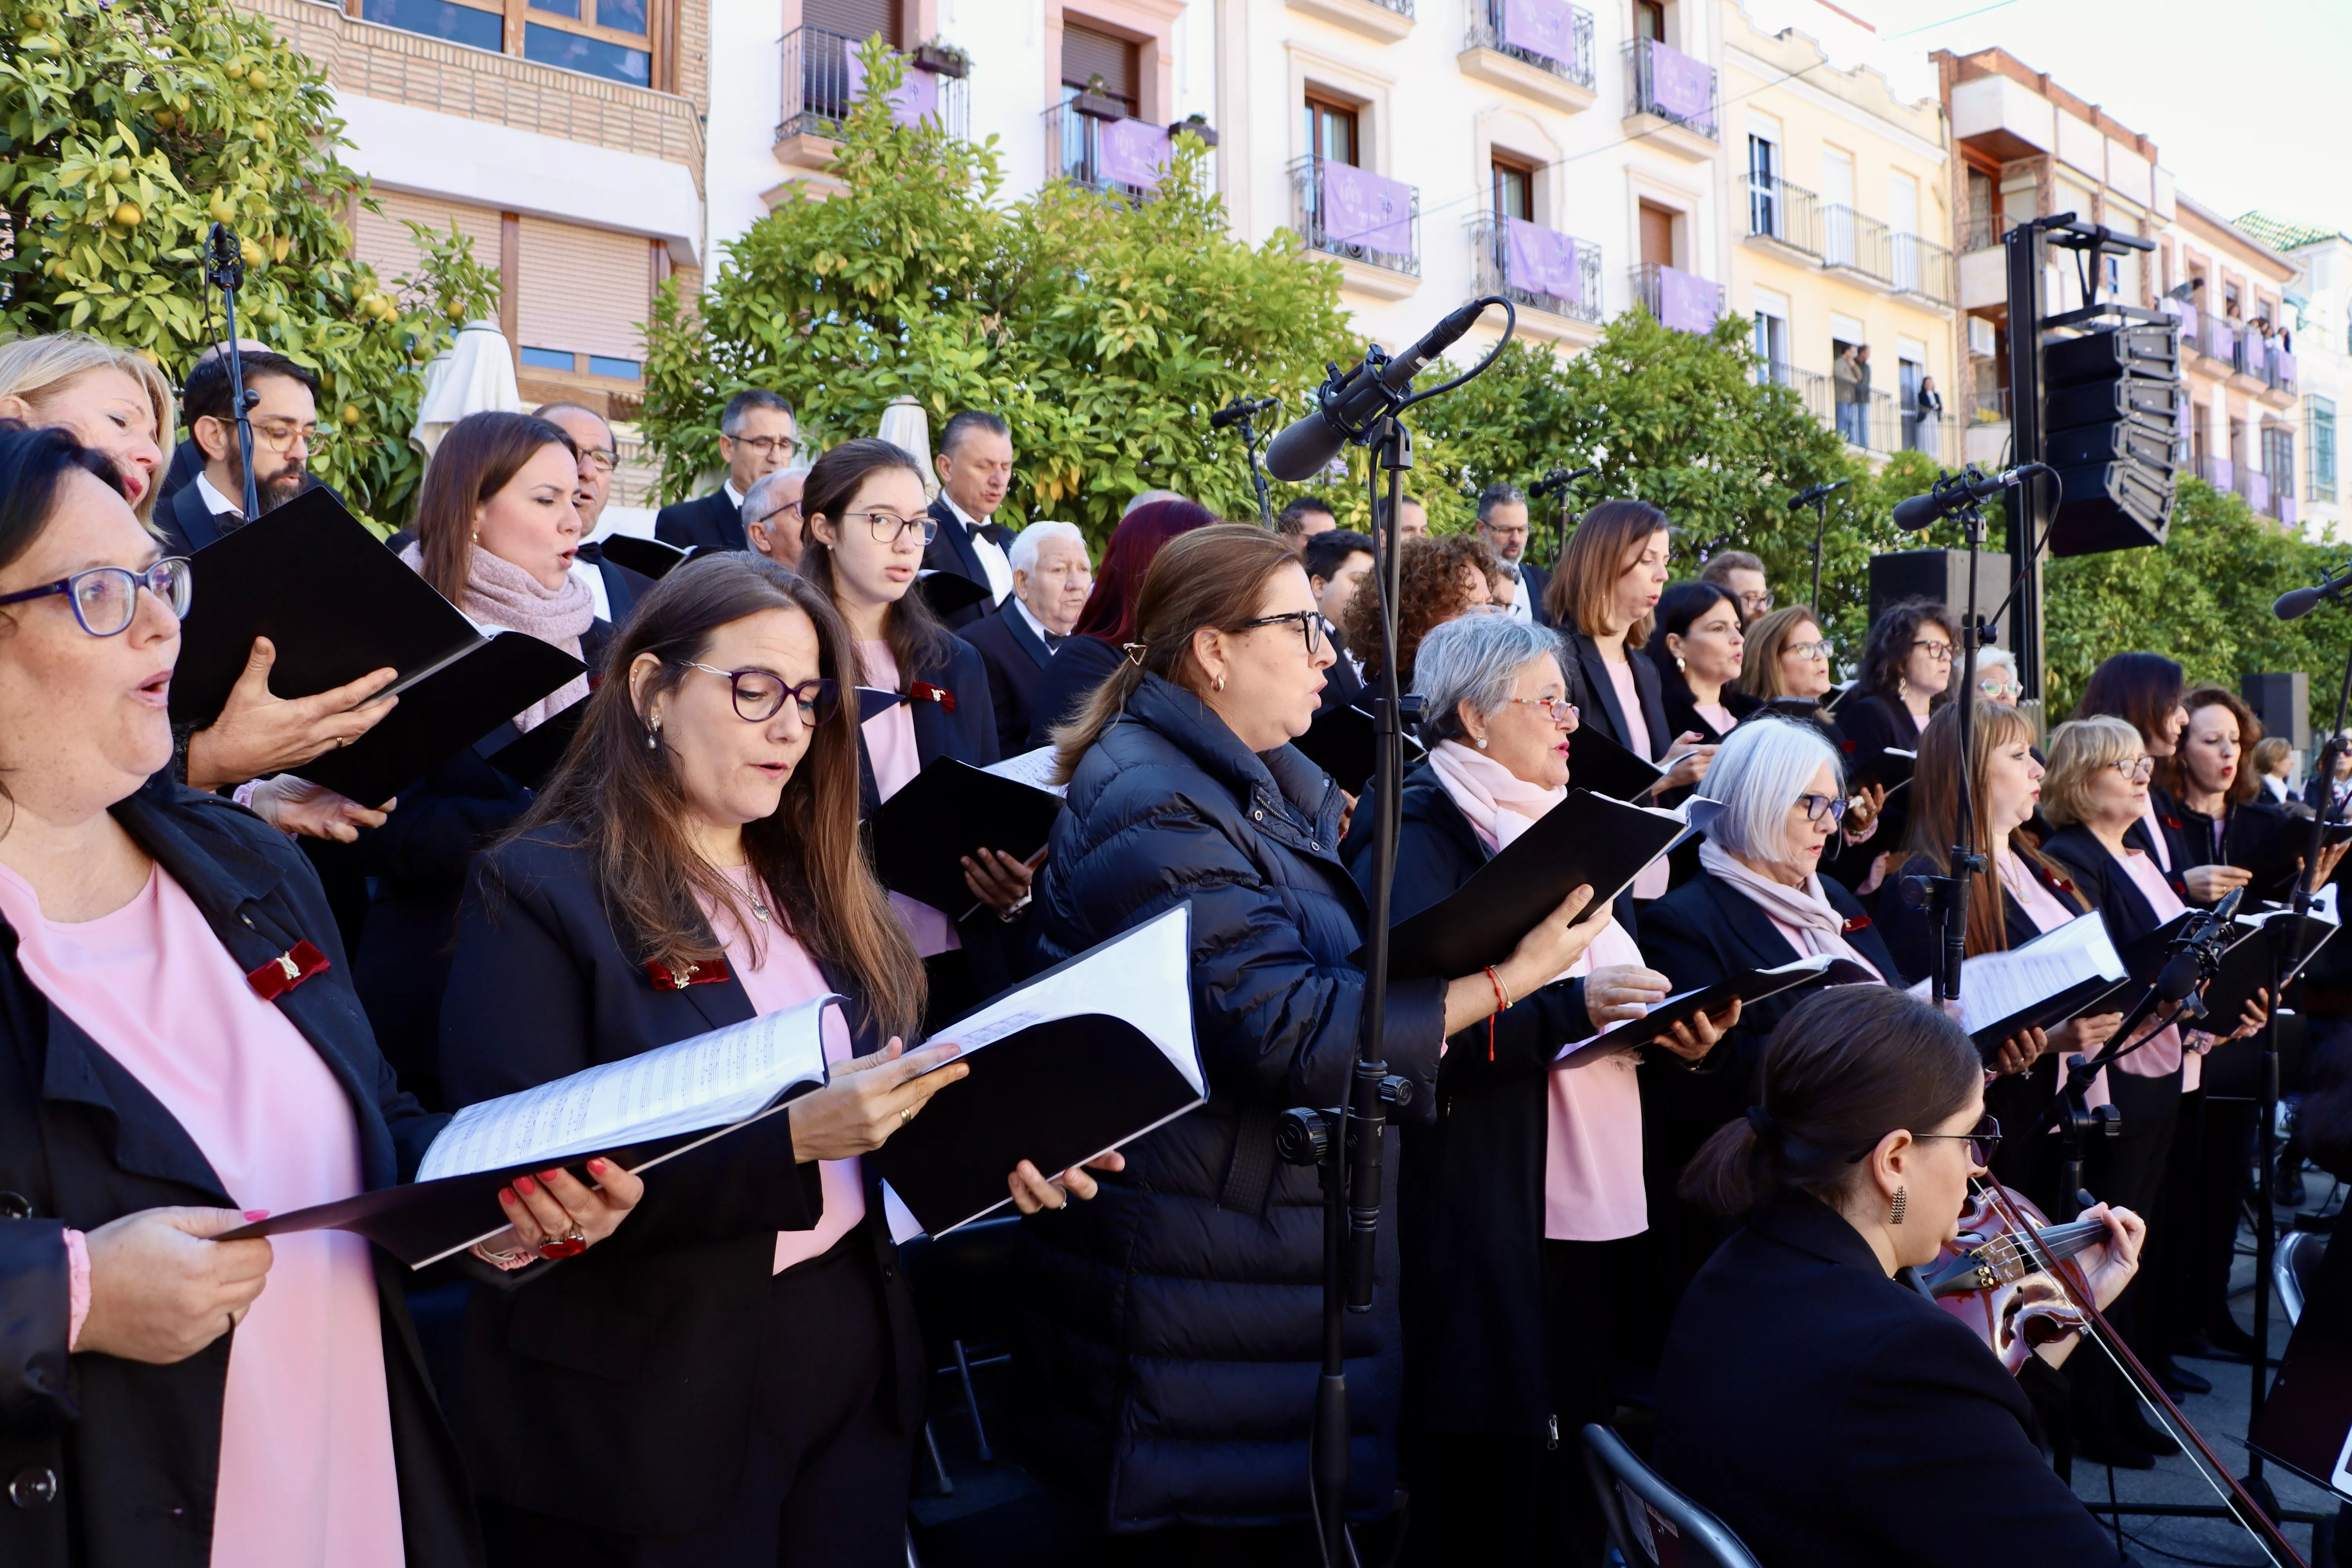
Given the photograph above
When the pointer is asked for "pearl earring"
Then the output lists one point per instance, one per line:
(1680, 667)
(653, 736)
(1482, 743)
(1902, 1201)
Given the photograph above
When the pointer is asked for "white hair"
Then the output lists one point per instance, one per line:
(1148, 497)
(1475, 659)
(1764, 765)
(755, 506)
(1030, 540)
(1991, 657)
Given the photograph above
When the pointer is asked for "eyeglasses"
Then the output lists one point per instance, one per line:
(1941, 652)
(792, 507)
(1820, 805)
(105, 598)
(1754, 604)
(759, 694)
(1310, 626)
(1984, 1138)
(2139, 769)
(1559, 709)
(1806, 650)
(768, 445)
(1997, 687)
(603, 459)
(890, 527)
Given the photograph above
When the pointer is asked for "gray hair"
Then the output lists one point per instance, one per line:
(1030, 540)
(1764, 765)
(1475, 659)
(755, 506)
(730, 423)
(1501, 493)
(1148, 497)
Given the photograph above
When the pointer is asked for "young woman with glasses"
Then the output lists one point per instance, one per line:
(745, 1386)
(863, 529)
(1851, 1163)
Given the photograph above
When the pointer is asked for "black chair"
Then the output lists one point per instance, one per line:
(963, 1299)
(1640, 1508)
(2294, 1266)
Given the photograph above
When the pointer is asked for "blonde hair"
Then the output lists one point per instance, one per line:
(37, 369)
(2077, 752)
(1759, 661)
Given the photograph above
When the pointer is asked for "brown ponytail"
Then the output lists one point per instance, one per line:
(1846, 1067)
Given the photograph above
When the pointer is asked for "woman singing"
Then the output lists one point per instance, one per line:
(745, 1384)
(1828, 1412)
(1698, 651)
(2144, 690)
(1786, 656)
(1519, 1208)
(162, 1408)
(1179, 1308)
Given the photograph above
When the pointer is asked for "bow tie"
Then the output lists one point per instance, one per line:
(996, 534)
(1054, 640)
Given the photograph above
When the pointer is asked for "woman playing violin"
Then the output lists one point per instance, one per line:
(1811, 1395)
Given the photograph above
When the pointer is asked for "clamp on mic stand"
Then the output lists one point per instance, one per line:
(225, 270)
(1241, 411)
(1558, 482)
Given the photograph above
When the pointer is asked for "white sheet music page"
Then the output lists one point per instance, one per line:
(1998, 985)
(712, 1080)
(1035, 769)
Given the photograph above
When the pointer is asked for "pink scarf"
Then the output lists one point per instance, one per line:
(500, 594)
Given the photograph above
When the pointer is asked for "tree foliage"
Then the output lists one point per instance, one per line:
(1105, 333)
(127, 128)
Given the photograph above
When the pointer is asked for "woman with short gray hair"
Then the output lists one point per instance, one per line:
(1520, 1206)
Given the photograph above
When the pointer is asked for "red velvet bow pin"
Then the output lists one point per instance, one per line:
(1859, 922)
(667, 979)
(287, 971)
(924, 691)
(2173, 823)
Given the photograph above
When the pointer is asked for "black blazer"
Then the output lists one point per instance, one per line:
(2104, 881)
(1829, 1415)
(1343, 686)
(1471, 1195)
(1017, 660)
(707, 523)
(615, 1388)
(623, 589)
(187, 462)
(185, 521)
(1598, 700)
(134, 1450)
(1082, 663)
(1683, 715)
(950, 551)
(1536, 582)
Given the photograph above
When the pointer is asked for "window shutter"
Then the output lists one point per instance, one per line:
(581, 289)
(383, 241)
(1086, 54)
(859, 19)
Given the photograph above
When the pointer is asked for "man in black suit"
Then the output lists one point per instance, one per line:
(285, 420)
(1051, 580)
(756, 436)
(975, 470)
(1503, 525)
(1338, 560)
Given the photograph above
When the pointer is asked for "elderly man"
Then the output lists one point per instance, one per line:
(615, 587)
(1051, 580)
(1503, 525)
(772, 516)
(975, 470)
(756, 437)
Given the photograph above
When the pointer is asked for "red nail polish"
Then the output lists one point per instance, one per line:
(523, 1185)
(257, 1213)
(598, 1166)
(507, 1196)
(547, 1175)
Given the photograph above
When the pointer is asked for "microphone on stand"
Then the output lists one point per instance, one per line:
(1559, 479)
(1348, 406)
(1811, 493)
(1241, 409)
(2297, 602)
(1956, 491)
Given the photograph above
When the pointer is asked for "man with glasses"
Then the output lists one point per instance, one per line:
(1741, 575)
(1503, 525)
(615, 587)
(772, 517)
(975, 470)
(285, 420)
(756, 437)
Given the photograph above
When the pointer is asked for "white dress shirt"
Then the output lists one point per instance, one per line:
(993, 559)
(1048, 637)
(215, 502)
(1518, 609)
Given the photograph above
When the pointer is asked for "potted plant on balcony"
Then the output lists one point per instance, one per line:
(1196, 124)
(941, 59)
(1095, 101)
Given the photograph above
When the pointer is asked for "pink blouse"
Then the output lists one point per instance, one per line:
(1592, 1142)
(890, 747)
(2156, 835)
(306, 1460)
(1653, 879)
(1718, 716)
(777, 972)
(2161, 1055)
(2018, 880)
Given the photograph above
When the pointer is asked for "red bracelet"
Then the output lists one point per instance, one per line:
(1502, 1004)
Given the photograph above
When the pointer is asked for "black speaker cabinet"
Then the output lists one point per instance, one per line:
(1941, 576)
(2282, 701)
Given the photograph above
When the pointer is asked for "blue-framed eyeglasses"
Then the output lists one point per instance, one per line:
(105, 598)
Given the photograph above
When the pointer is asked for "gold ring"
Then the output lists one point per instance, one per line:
(907, 1115)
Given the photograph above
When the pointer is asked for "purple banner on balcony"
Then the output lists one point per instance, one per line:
(2219, 340)
(2282, 367)
(1360, 208)
(2186, 315)
(2224, 474)
(1134, 152)
(2258, 491)
(1680, 85)
(2286, 511)
(917, 96)
(1546, 27)
(1542, 261)
(1685, 301)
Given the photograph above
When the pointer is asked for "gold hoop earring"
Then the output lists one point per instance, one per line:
(1902, 1201)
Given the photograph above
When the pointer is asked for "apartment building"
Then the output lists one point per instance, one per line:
(564, 137)
(1843, 219)
(2025, 147)
(2319, 309)
(2229, 290)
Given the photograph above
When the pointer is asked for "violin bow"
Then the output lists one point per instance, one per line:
(2242, 1505)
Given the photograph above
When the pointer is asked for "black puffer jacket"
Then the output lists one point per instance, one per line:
(1170, 1333)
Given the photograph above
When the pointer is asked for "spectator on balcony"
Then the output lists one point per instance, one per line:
(772, 516)
(975, 469)
(1303, 518)
(1051, 580)
(1741, 575)
(1853, 394)
(1504, 526)
(756, 436)
(1927, 407)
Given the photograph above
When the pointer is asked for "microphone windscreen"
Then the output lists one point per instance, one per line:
(1299, 453)
(2294, 603)
(1917, 512)
(2179, 978)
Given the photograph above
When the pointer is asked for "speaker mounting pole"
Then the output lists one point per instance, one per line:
(2027, 509)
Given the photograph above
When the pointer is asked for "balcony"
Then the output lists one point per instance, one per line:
(2217, 472)
(1542, 50)
(1923, 269)
(1670, 101)
(1540, 270)
(1382, 21)
(1854, 244)
(1784, 218)
(1811, 387)
(1683, 300)
(1113, 154)
(822, 77)
(1371, 222)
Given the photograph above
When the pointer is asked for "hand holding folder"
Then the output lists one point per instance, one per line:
(923, 835)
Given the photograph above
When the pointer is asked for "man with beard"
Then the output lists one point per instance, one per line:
(285, 420)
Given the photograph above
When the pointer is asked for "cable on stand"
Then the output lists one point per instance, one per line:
(1243, 411)
(225, 270)
(1348, 1145)
(1558, 482)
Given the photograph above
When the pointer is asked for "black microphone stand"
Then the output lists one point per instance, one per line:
(1946, 898)
(1242, 409)
(225, 270)
(1820, 534)
(1349, 1145)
